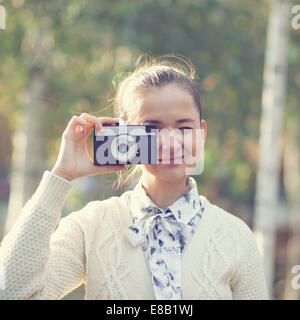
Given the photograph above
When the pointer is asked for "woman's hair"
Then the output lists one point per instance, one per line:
(152, 72)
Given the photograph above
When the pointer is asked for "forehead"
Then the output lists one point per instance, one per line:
(169, 102)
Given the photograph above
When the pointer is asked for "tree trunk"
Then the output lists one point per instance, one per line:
(292, 187)
(273, 98)
(28, 155)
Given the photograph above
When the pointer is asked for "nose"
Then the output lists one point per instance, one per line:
(170, 143)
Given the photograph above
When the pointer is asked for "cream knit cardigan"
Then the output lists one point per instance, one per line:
(40, 261)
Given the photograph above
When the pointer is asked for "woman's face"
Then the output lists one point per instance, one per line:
(172, 110)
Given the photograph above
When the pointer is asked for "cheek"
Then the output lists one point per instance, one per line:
(194, 144)
(189, 143)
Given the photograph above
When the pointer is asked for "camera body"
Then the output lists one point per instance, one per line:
(125, 144)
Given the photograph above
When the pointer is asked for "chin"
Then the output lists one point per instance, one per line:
(167, 172)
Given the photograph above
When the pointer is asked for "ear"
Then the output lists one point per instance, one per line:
(204, 127)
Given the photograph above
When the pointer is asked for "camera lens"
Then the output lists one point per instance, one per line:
(123, 148)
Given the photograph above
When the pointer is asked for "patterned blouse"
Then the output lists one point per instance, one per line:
(164, 234)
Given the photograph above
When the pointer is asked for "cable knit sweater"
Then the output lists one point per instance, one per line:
(45, 256)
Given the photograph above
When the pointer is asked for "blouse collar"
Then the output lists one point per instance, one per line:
(184, 208)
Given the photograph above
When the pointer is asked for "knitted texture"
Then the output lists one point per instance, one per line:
(46, 257)
(164, 233)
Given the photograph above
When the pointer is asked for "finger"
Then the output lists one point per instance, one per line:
(92, 120)
(108, 120)
(79, 124)
(72, 125)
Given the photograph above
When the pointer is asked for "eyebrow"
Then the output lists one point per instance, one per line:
(178, 121)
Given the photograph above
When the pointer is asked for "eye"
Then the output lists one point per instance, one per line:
(185, 128)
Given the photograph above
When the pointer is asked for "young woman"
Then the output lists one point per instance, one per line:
(159, 240)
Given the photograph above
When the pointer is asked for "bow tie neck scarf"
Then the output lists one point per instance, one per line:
(163, 234)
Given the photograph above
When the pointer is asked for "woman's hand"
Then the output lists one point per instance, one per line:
(73, 160)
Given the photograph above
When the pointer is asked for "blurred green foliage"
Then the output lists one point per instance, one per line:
(87, 45)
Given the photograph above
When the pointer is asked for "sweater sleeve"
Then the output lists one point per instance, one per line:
(37, 262)
(249, 281)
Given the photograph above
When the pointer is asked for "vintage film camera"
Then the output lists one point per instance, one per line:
(125, 144)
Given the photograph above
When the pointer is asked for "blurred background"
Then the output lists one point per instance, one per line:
(62, 58)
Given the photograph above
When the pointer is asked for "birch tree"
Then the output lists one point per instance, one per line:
(292, 187)
(273, 99)
(28, 155)
(28, 151)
